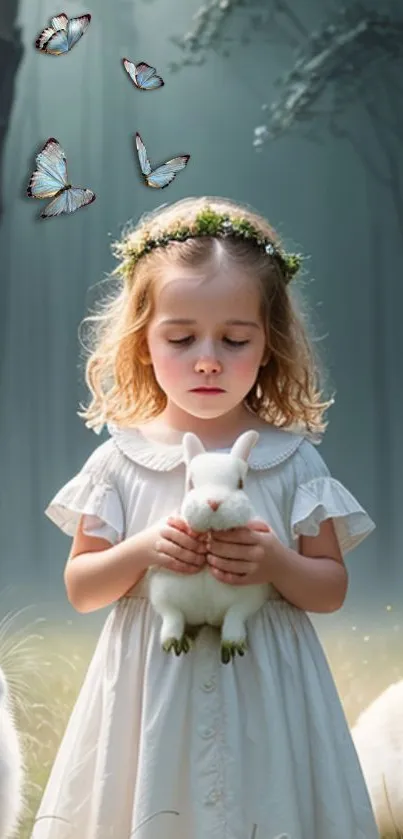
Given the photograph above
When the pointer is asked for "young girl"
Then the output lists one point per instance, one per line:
(166, 747)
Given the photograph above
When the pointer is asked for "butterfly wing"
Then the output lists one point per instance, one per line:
(145, 71)
(59, 22)
(43, 38)
(146, 78)
(142, 154)
(152, 84)
(164, 175)
(130, 69)
(142, 75)
(76, 28)
(51, 175)
(63, 39)
(160, 178)
(70, 200)
(57, 44)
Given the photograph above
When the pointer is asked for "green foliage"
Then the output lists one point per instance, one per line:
(209, 223)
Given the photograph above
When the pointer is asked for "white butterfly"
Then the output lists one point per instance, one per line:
(49, 180)
(163, 175)
(142, 75)
(62, 34)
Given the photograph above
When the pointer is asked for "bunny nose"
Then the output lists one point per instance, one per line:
(214, 504)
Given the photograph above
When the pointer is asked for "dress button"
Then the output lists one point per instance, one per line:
(209, 685)
(206, 733)
(213, 797)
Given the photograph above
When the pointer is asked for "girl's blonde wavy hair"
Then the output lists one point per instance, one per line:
(118, 367)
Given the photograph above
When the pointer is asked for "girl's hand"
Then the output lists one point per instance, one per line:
(241, 556)
(178, 547)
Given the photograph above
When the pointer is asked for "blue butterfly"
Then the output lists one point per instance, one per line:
(142, 75)
(50, 181)
(163, 175)
(62, 34)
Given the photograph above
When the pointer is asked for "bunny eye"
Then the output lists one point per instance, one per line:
(240, 484)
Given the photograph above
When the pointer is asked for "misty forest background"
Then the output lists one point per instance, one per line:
(297, 111)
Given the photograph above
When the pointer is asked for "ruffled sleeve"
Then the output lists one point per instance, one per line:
(319, 497)
(91, 493)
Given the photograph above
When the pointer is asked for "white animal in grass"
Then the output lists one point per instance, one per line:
(11, 770)
(214, 500)
(378, 739)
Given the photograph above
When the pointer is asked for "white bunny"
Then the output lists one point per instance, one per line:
(378, 739)
(214, 500)
(11, 771)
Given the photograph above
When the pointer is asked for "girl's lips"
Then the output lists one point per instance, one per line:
(207, 390)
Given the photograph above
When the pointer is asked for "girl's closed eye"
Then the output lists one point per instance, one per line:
(189, 338)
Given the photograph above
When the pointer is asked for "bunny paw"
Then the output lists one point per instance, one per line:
(229, 649)
(178, 645)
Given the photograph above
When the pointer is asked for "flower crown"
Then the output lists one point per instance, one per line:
(209, 223)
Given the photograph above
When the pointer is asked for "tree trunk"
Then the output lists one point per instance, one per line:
(11, 51)
(381, 396)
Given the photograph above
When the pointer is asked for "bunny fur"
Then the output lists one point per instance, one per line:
(378, 739)
(11, 771)
(214, 500)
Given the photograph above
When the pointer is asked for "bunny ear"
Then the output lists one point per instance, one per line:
(191, 446)
(244, 444)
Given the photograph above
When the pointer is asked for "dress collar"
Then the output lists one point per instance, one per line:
(273, 447)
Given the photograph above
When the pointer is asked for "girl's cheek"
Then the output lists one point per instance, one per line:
(244, 366)
(170, 361)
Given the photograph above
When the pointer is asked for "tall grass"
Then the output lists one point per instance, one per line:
(45, 666)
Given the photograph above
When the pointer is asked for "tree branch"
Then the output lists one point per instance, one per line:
(285, 10)
(211, 23)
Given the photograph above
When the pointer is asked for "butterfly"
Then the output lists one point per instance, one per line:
(163, 175)
(142, 75)
(62, 34)
(50, 181)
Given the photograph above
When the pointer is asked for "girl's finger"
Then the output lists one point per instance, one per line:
(238, 535)
(175, 552)
(181, 549)
(177, 522)
(230, 579)
(180, 524)
(238, 567)
(176, 565)
(228, 550)
(259, 525)
(182, 538)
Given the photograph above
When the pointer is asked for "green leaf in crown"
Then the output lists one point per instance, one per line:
(209, 223)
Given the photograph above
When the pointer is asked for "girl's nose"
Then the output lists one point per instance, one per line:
(207, 359)
(208, 366)
(208, 363)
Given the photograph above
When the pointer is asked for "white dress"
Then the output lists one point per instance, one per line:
(166, 747)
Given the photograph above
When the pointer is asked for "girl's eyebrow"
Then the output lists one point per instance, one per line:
(188, 321)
